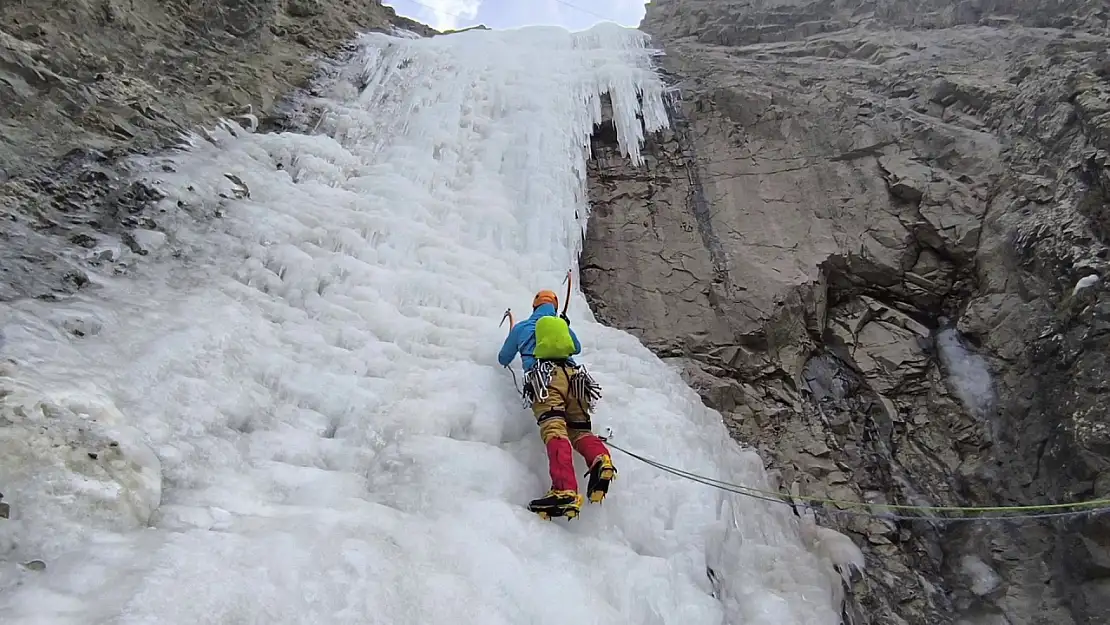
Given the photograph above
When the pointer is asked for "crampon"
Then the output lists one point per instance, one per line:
(557, 503)
(600, 474)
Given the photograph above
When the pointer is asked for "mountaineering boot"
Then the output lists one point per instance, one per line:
(601, 473)
(555, 503)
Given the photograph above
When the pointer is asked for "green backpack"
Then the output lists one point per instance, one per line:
(553, 341)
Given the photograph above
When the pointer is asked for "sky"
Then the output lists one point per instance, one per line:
(499, 14)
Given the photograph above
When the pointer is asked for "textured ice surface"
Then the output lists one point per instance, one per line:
(291, 411)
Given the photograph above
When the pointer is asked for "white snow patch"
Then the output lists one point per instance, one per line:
(149, 240)
(314, 369)
(404, 33)
(1085, 283)
(983, 579)
(968, 374)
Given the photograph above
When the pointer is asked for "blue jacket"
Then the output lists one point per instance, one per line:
(522, 338)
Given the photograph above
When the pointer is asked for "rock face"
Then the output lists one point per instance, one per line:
(87, 82)
(861, 241)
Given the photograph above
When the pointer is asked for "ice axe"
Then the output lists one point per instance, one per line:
(566, 301)
(509, 315)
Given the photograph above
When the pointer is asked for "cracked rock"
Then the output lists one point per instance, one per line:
(860, 240)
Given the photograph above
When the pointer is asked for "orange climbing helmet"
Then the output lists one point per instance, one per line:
(545, 297)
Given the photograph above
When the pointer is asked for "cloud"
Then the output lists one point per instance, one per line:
(500, 14)
(439, 14)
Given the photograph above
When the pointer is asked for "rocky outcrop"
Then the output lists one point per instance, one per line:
(85, 83)
(861, 241)
(81, 463)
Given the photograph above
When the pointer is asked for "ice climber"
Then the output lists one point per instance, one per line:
(562, 394)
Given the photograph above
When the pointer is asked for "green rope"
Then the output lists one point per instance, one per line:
(877, 509)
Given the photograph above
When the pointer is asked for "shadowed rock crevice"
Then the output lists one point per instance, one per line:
(900, 200)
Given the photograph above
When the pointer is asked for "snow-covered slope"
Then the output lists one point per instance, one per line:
(292, 411)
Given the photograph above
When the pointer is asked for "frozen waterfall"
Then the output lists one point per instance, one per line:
(291, 410)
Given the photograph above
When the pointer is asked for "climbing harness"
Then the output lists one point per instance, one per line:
(583, 386)
(878, 510)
